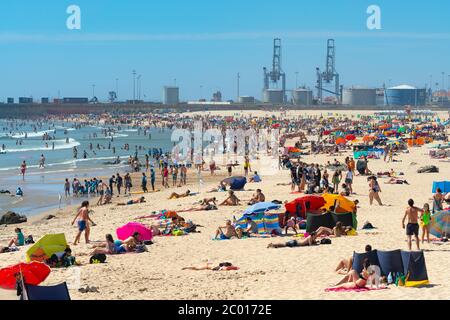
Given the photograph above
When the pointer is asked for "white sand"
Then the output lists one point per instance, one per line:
(289, 273)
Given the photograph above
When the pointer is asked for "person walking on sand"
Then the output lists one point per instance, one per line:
(152, 178)
(412, 228)
(23, 169)
(374, 190)
(144, 182)
(83, 222)
(119, 183)
(101, 187)
(67, 188)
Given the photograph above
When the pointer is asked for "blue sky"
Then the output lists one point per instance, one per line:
(205, 43)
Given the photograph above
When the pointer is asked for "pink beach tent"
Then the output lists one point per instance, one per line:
(127, 231)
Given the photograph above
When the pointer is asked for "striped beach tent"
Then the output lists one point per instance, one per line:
(266, 222)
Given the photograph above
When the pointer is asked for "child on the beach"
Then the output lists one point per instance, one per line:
(291, 224)
(425, 219)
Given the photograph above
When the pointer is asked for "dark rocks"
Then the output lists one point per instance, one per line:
(12, 218)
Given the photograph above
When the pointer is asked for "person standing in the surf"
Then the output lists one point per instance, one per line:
(23, 169)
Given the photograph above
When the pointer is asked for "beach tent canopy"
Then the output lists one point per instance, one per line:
(33, 273)
(236, 183)
(46, 293)
(266, 222)
(261, 207)
(302, 205)
(127, 231)
(443, 185)
(340, 203)
(329, 220)
(410, 263)
(440, 224)
(46, 246)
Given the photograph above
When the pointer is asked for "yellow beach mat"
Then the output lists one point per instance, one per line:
(47, 245)
(142, 192)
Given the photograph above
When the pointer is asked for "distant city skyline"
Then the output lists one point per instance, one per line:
(205, 44)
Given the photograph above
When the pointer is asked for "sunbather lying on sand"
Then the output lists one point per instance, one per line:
(175, 195)
(308, 241)
(222, 187)
(396, 181)
(224, 266)
(337, 231)
(130, 202)
(231, 200)
(209, 201)
(353, 280)
(109, 247)
(203, 207)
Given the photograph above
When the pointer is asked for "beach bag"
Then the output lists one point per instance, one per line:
(400, 280)
(29, 240)
(368, 226)
(97, 258)
(325, 241)
(177, 232)
(140, 248)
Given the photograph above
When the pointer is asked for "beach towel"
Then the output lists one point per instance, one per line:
(365, 289)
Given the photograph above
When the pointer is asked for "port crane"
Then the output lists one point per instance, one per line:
(276, 74)
(329, 75)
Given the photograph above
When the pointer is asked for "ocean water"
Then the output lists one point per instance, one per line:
(42, 186)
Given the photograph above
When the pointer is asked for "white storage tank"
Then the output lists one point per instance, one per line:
(302, 97)
(274, 96)
(247, 100)
(171, 95)
(359, 97)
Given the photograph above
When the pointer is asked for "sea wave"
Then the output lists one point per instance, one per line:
(31, 134)
(59, 145)
(72, 162)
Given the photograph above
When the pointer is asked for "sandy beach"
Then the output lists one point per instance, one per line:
(282, 274)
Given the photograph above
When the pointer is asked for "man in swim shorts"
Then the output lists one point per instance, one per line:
(83, 222)
(412, 228)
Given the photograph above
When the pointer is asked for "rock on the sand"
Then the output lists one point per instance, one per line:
(12, 218)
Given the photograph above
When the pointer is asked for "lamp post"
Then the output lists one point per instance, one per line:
(134, 86)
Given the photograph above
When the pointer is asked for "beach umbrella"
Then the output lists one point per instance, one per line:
(440, 224)
(46, 246)
(33, 273)
(127, 231)
(344, 204)
(261, 207)
(340, 141)
(350, 137)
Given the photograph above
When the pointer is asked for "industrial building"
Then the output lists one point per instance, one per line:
(247, 100)
(25, 100)
(302, 97)
(217, 96)
(171, 95)
(10, 100)
(273, 96)
(359, 97)
(405, 95)
(70, 100)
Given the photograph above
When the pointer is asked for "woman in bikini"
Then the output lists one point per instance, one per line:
(355, 280)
